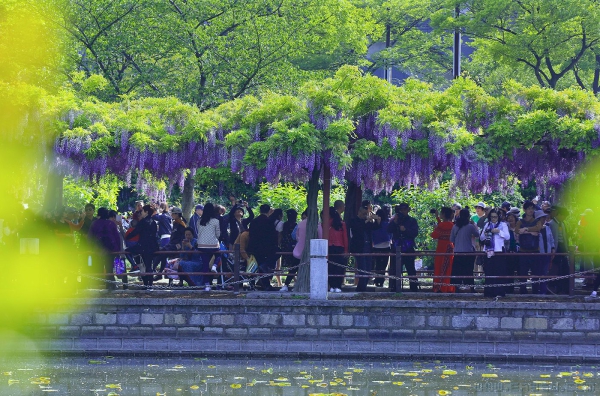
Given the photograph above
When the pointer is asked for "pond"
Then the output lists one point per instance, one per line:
(206, 376)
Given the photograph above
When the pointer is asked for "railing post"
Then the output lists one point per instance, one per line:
(398, 271)
(318, 269)
(571, 272)
(236, 267)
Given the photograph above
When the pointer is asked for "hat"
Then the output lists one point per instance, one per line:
(515, 210)
(539, 214)
(506, 205)
(176, 210)
(456, 206)
(480, 205)
(199, 207)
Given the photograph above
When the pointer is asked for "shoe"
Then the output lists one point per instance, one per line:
(594, 294)
(337, 290)
(284, 288)
(207, 288)
(332, 290)
(214, 268)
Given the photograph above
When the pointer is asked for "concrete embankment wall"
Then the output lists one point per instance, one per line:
(292, 327)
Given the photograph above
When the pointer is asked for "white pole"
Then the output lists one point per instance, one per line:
(318, 269)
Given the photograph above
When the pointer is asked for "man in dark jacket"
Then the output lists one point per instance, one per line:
(360, 242)
(105, 235)
(263, 244)
(404, 229)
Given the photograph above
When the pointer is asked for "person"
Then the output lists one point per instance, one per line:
(85, 221)
(105, 235)
(461, 236)
(113, 216)
(237, 222)
(209, 231)
(175, 238)
(560, 263)
(528, 228)
(382, 241)
(146, 229)
(361, 228)
(479, 212)
(189, 262)
(442, 265)
(263, 245)
(338, 246)
(277, 217)
(456, 207)
(512, 246)
(137, 213)
(492, 239)
(301, 235)
(224, 226)
(405, 229)
(196, 218)
(287, 245)
(339, 206)
(165, 223)
(548, 247)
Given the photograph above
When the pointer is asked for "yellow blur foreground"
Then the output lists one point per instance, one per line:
(35, 260)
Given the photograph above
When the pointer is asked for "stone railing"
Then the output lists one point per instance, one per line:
(299, 326)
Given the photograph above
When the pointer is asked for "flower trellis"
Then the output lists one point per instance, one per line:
(365, 129)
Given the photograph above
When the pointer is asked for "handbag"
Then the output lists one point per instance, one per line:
(119, 265)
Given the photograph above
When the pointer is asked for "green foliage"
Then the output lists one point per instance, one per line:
(77, 193)
(290, 196)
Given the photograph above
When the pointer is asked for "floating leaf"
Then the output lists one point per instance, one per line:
(114, 386)
(153, 365)
(588, 375)
(179, 366)
(485, 375)
(449, 372)
(7, 373)
(236, 386)
(566, 374)
(399, 383)
(544, 375)
(442, 392)
(97, 362)
(194, 387)
(358, 370)
(12, 381)
(505, 381)
(212, 366)
(579, 381)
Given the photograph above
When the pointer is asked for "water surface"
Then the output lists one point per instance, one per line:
(207, 376)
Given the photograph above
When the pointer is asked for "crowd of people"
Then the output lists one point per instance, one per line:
(268, 243)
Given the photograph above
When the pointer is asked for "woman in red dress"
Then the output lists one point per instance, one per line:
(442, 265)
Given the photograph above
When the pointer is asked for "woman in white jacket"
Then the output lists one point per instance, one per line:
(492, 238)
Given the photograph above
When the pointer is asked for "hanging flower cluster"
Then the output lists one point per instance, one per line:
(366, 130)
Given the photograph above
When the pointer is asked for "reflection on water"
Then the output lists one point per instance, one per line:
(202, 376)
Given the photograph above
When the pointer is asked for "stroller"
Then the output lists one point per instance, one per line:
(228, 265)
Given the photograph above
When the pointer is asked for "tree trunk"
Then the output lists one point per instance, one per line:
(303, 279)
(352, 201)
(53, 199)
(187, 195)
